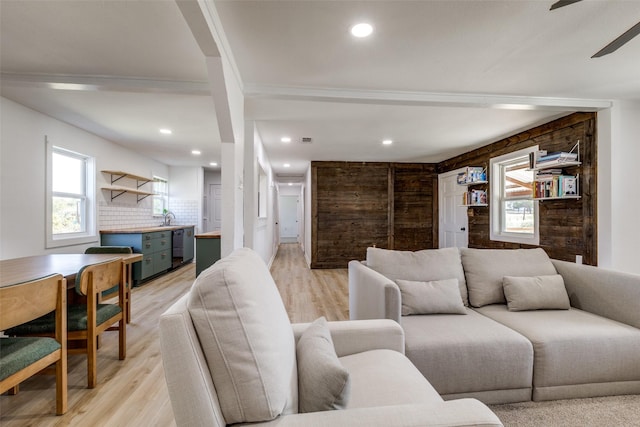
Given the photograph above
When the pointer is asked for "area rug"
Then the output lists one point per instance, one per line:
(614, 411)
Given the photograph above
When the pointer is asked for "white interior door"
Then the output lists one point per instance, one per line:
(288, 219)
(214, 222)
(453, 216)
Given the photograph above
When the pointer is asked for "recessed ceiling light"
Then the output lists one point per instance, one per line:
(196, 152)
(287, 165)
(213, 164)
(387, 142)
(361, 30)
(285, 139)
(166, 131)
(290, 184)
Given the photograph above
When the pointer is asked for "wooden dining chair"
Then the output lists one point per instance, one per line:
(85, 322)
(127, 276)
(23, 357)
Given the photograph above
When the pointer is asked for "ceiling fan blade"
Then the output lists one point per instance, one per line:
(619, 42)
(563, 3)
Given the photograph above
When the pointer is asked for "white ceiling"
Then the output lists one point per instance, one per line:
(437, 77)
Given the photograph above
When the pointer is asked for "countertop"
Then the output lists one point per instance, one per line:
(137, 230)
(209, 235)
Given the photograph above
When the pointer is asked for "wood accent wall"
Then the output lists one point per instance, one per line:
(394, 205)
(567, 227)
(356, 205)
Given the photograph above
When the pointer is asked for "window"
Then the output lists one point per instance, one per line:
(161, 197)
(514, 213)
(70, 198)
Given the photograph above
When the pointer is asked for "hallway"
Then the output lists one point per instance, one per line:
(308, 294)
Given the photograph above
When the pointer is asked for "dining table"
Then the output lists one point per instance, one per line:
(24, 269)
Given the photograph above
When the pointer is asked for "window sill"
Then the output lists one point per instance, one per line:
(71, 241)
(515, 238)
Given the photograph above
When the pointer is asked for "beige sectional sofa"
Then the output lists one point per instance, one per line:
(576, 332)
(231, 356)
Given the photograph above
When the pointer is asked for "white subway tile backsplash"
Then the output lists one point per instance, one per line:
(113, 216)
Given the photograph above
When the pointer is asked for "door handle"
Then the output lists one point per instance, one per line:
(463, 229)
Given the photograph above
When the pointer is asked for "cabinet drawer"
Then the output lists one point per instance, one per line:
(147, 265)
(162, 261)
(148, 246)
(161, 243)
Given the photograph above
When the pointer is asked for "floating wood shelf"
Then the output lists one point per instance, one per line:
(118, 175)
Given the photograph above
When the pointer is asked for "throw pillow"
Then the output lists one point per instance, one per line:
(536, 293)
(434, 297)
(323, 383)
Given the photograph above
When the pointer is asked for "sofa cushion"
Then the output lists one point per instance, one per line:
(470, 354)
(422, 266)
(246, 338)
(434, 297)
(385, 377)
(485, 269)
(323, 383)
(535, 293)
(577, 354)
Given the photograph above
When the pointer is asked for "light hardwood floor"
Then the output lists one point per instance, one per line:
(132, 392)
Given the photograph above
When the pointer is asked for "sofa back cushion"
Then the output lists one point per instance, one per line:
(485, 269)
(246, 338)
(420, 266)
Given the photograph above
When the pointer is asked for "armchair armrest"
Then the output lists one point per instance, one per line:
(612, 294)
(372, 295)
(356, 336)
(462, 412)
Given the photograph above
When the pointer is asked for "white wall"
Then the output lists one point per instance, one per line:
(620, 252)
(259, 231)
(22, 186)
(186, 185)
(232, 164)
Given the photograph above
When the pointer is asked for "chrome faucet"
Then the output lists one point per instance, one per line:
(167, 219)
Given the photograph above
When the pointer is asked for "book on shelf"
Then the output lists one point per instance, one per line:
(569, 186)
(557, 157)
(474, 197)
(472, 174)
(533, 157)
(548, 172)
(555, 186)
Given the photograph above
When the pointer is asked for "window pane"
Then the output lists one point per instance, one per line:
(518, 216)
(160, 200)
(518, 181)
(68, 174)
(67, 215)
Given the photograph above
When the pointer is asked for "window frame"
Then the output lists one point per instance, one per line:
(89, 233)
(497, 212)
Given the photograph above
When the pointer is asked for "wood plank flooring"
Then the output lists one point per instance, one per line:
(133, 392)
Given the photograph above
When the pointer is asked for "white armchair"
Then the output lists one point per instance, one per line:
(229, 356)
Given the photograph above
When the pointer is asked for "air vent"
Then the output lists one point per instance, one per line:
(306, 140)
